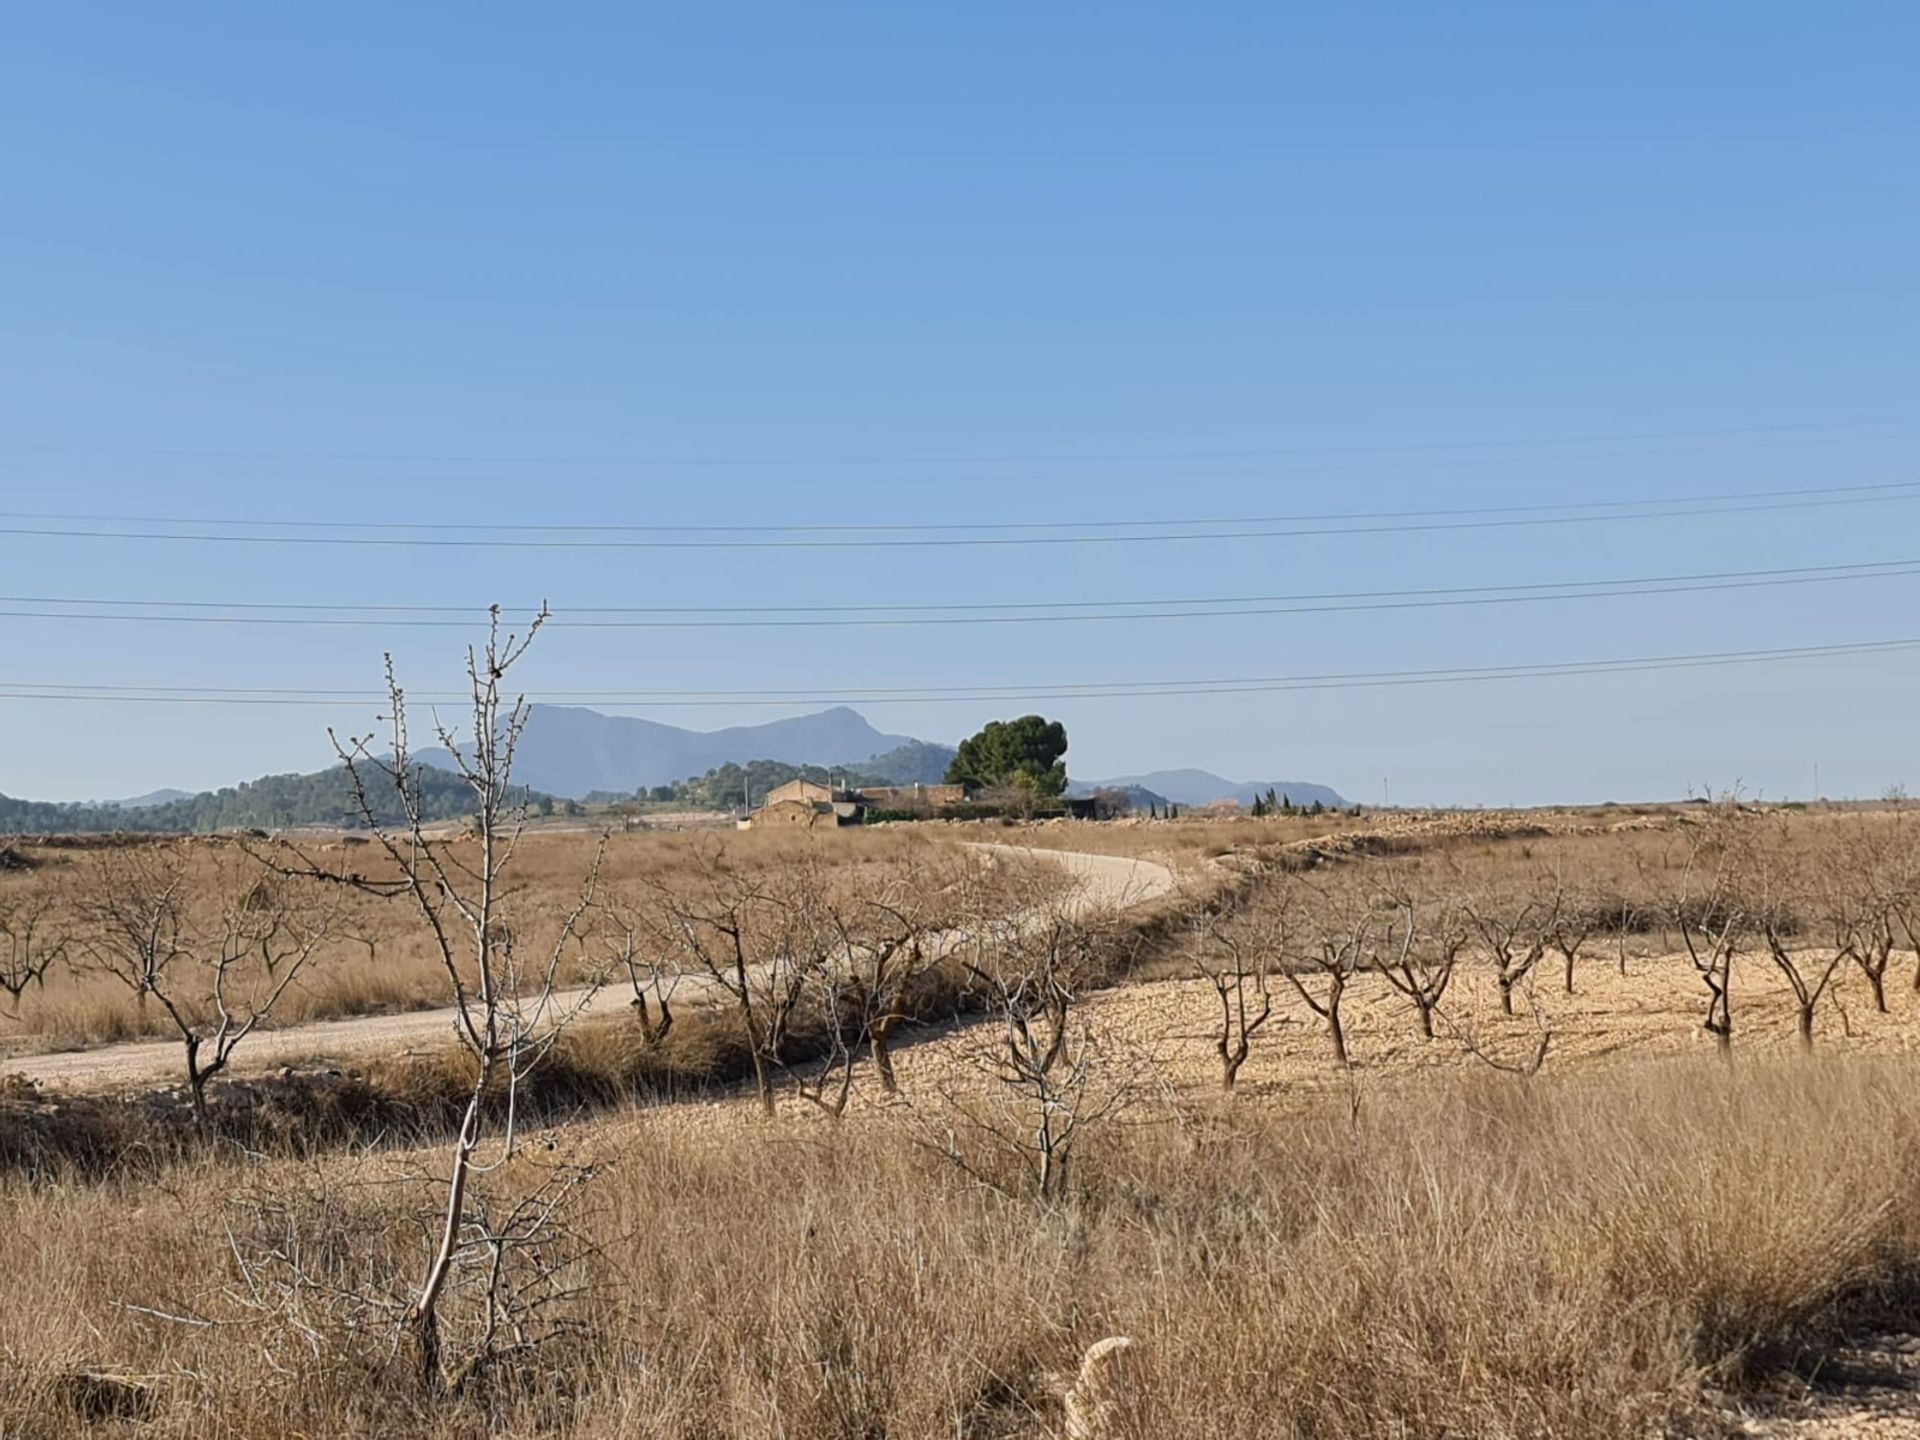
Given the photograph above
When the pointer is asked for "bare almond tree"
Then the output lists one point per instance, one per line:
(1421, 949)
(1788, 904)
(732, 929)
(869, 950)
(1514, 924)
(1576, 919)
(1903, 879)
(1869, 893)
(891, 939)
(318, 1260)
(1857, 912)
(1867, 937)
(1904, 906)
(653, 977)
(1236, 949)
(1338, 936)
(1053, 1073)
(1527, 1065)
(216, 978)
(816, 978)
(1705, 899)
(509, 1011)
(36, 933)
(1898, 864)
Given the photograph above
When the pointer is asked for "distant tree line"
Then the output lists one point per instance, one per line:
(273, 802)
(1276, 804)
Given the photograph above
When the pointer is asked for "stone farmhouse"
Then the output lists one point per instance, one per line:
(808, 804)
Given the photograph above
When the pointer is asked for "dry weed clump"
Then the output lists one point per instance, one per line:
(1582, 1256)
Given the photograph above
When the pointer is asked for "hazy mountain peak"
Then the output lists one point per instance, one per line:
(572, 751)
(1201, 787)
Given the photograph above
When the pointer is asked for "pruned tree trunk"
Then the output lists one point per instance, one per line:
(423, 1318)
(1337, 1033)
(1232, 1057)
(880, 1048)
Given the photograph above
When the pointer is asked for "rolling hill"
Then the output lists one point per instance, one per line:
(572, 752)
(323, 797)
(1200, 787)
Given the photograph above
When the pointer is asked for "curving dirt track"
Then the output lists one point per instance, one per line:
(1103, 882)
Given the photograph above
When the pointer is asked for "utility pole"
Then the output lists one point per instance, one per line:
(1386, 800)
(1816, 780)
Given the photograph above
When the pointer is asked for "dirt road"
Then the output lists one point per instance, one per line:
(1102, 882)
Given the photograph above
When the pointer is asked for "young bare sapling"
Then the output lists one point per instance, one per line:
(508, 1011)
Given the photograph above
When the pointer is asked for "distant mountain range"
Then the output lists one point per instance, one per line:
(569, 753)
(1202, 787)
(572, 752)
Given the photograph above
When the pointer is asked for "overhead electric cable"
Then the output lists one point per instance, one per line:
(1717, 432)
(1044, 690)
(1374, 523)
(1894, 488)
(955, 614)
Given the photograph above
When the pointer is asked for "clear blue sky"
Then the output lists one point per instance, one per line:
(707, 265)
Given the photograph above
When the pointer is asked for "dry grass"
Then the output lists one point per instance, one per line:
(1418, 1246)
(379, 962)
(1195, 838)
(1574, 1257)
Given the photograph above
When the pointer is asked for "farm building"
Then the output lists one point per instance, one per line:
(808, 803)
(791, 814)
(806, 792)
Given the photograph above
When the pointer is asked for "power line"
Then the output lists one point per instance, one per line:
(1892, 488)
(1378, 523)
(1057, 472)
(1093, 690)
(982, 613)
(743, 462)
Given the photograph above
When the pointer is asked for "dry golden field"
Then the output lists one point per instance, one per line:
(1586, 1218)
(374, 958)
